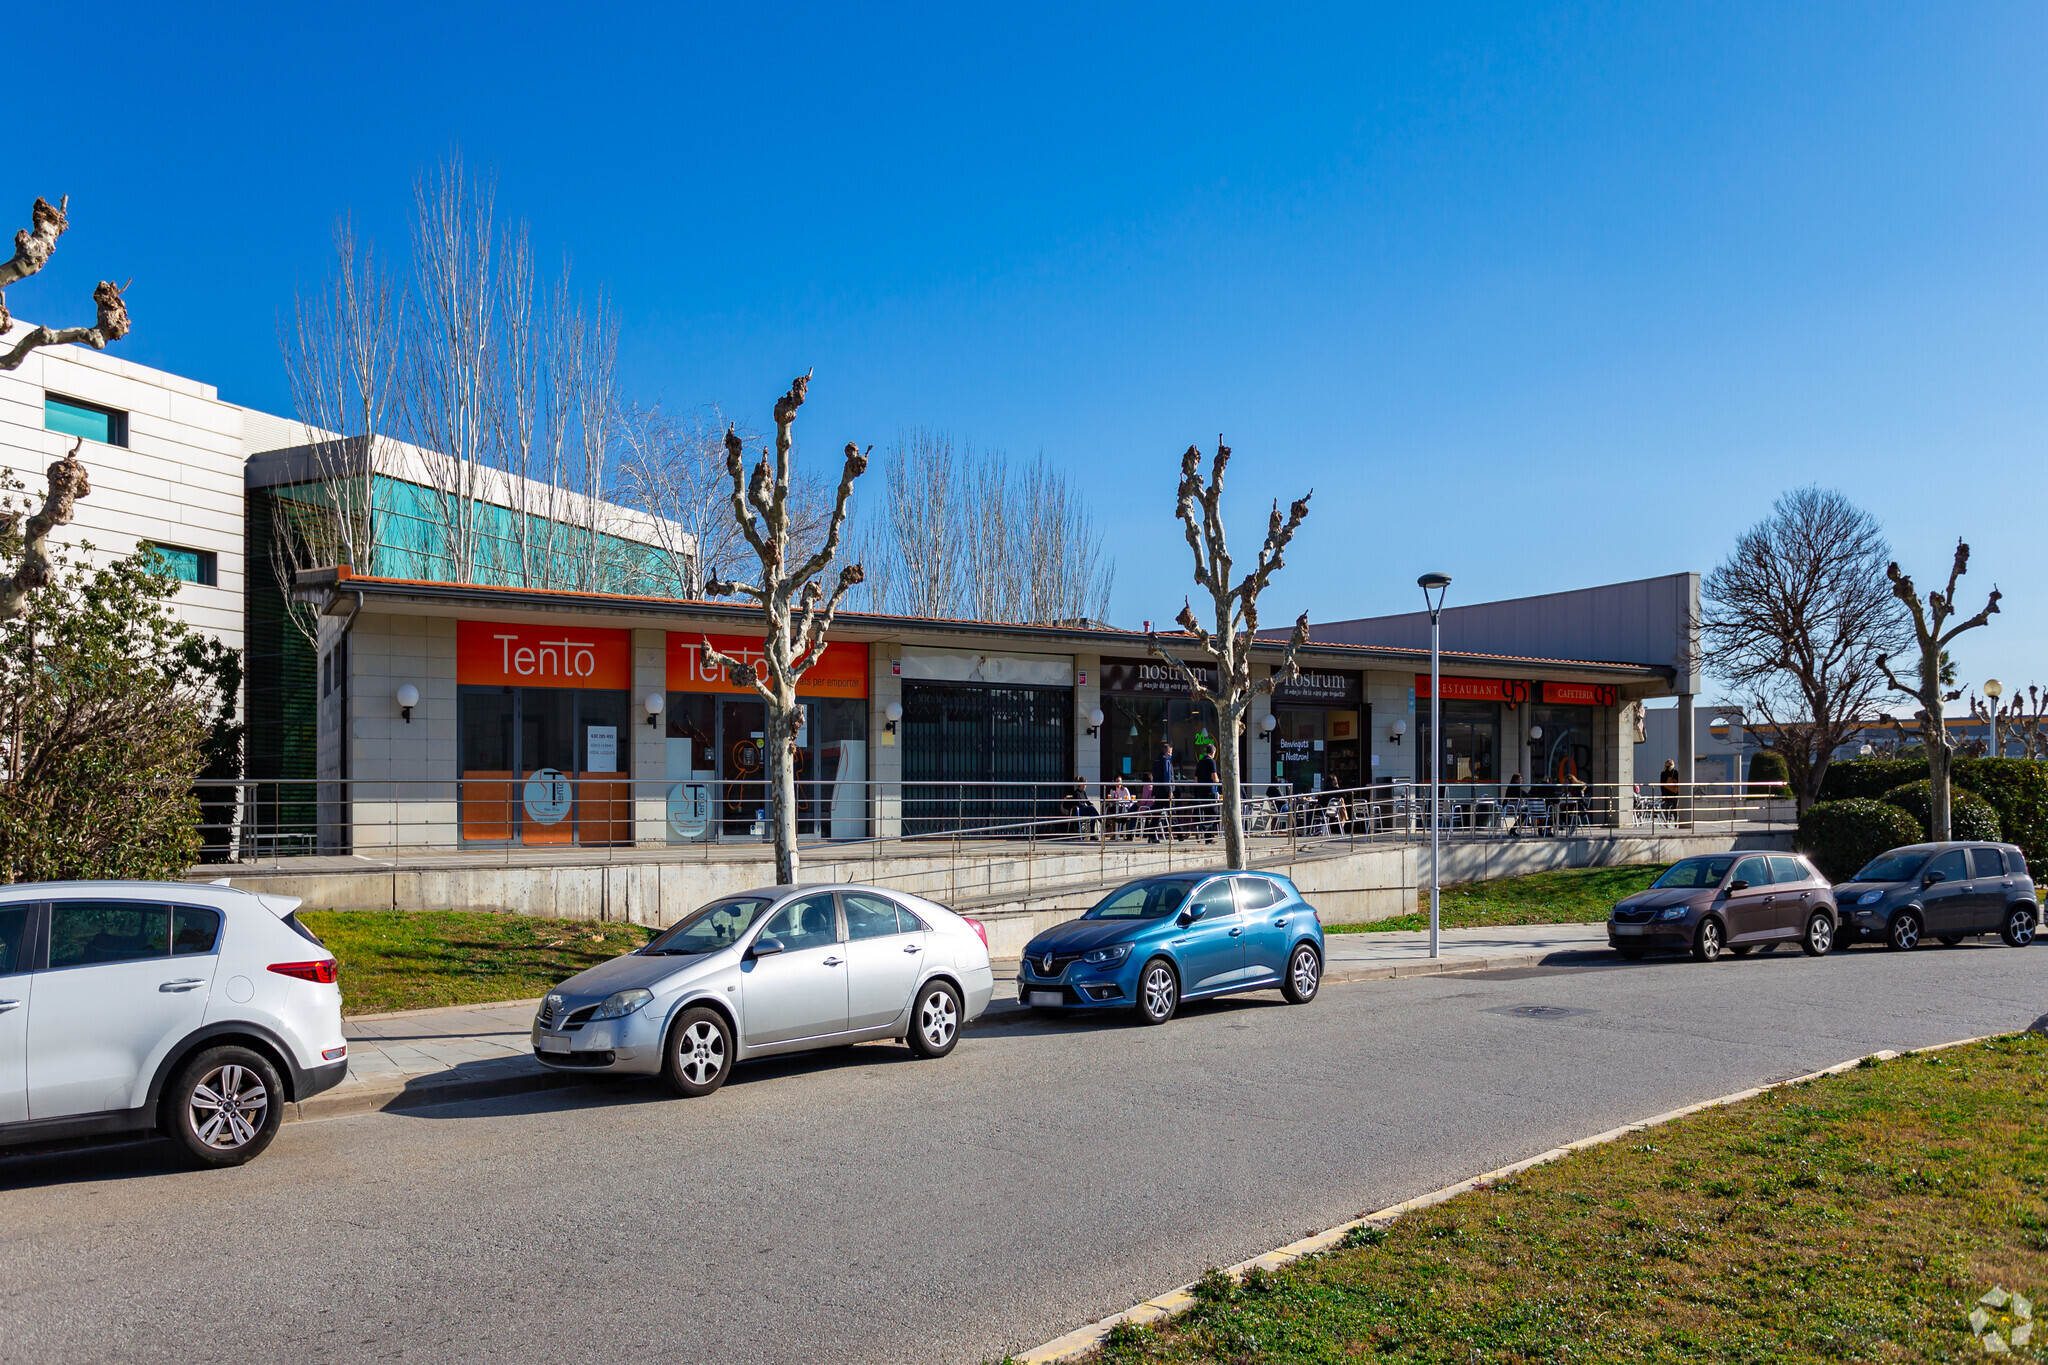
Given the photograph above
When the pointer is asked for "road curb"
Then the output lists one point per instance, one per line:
(1174, 1302)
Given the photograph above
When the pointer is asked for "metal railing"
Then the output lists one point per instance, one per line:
(605, 817)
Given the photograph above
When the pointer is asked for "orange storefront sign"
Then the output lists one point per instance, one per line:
(1579, 694)
(841, 671)
(499, 653)
(1511, 690)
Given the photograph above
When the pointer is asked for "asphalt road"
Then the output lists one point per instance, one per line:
(860, 1206)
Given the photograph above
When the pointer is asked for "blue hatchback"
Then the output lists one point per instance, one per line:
(1152, 943)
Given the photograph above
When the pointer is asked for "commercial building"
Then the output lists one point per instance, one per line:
(557, 718)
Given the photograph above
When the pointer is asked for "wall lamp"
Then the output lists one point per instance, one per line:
(1095, 722)
(654, 702)
(1268, 723)
(407, 696)
(894, 712)
(1396, 730)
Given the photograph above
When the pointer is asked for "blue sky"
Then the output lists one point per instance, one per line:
(1538, 297)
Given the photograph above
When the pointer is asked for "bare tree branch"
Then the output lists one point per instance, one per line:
(1929, 619)
(33, 246)
(68, 483)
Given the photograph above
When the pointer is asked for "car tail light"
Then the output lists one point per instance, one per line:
(335, 1054)
(975, 925)
(321, 972)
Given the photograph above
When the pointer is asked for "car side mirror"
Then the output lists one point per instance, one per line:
(1738, 885)
(1192, 913)
(1933, 877)
(765, 947)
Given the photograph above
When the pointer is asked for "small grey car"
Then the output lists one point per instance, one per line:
(764, 972)
(1949, 891)
(1735, 902)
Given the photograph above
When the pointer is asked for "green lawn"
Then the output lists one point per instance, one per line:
(1857, 1218)
(399, 960)
(1578, 895)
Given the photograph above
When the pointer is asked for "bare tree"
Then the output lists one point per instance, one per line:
(2021, 718)
(1227, 648)
(1796, 619)
(342, 359)
(1929, 618)
(68, 483)
(761, 507)
(32, 248)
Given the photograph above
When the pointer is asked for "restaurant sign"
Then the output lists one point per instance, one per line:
(841, 671)
(1320, 689)
(1511, 690)
(1150, 678)
(494, 653)
(1579, 694)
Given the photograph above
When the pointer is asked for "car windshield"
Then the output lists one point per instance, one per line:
(1891, 867)
(1153, 898)
(717, 925)
(1692, 874)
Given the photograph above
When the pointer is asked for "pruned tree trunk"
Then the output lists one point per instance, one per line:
(68, 483)
(1227, 647)
(1929, 617)
(32, 248)
(763, 510)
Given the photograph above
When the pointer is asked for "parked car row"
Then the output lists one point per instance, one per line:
(1741, 902)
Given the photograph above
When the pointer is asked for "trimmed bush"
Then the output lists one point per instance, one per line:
(1970, 816)
(1842, 836)
(2017, 789)
(1768, 775)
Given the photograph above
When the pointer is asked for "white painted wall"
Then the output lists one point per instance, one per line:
(177, 482)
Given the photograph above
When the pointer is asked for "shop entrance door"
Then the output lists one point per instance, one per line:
(742, 768)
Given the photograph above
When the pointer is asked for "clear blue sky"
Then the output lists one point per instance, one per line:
(1540, 299)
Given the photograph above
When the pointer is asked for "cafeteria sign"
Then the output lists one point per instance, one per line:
(1579, 694)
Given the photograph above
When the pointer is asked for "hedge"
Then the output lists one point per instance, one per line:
(1970, 816)
(1768, 774)
(1842, 836)
(2017, 789)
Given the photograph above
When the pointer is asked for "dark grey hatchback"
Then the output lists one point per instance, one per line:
(1947, 891)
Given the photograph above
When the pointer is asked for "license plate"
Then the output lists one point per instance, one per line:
(1629, 928)
(550, 1043)
(1044, 998)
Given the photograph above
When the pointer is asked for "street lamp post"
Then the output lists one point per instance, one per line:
(1435, 583)
(1993, 690)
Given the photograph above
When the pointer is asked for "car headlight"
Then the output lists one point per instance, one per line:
(1673, 912)
(623, 1004)
(1870, 898)
(1103, 957)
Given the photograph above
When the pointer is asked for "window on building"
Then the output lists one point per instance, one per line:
(75, 417)
(191, 566)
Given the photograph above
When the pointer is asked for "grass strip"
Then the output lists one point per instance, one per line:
(406, 960)
(1575, 895)
(1855, 1218)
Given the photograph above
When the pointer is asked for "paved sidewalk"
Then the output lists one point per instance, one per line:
(419, 1057)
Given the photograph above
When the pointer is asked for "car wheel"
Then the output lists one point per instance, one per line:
(1820, 936)
(1742, 949)
(225, 1106)
(699, 1055)
(1158, 992)
(1905, 932)
(2019, 927)
(1304, 976)
(935, 1020)
(1950, 940)
(1707, 941)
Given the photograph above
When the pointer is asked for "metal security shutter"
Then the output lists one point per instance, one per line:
(958, 738)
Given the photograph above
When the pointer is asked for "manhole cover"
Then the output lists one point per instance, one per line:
(1537, 1011)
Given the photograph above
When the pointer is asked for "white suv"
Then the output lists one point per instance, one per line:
(199, 1011)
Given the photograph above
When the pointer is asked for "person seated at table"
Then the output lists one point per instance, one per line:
(1117, 801)
(1076, 805)
(1336, 815)
(1511, 806)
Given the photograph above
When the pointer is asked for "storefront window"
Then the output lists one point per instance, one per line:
(1471, 740)
(545, 765)
(1136, 730)
(1566, 747)
(692, 764)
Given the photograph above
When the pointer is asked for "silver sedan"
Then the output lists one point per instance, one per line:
(765, 972)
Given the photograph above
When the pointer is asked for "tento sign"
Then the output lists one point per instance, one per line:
(497, 653)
